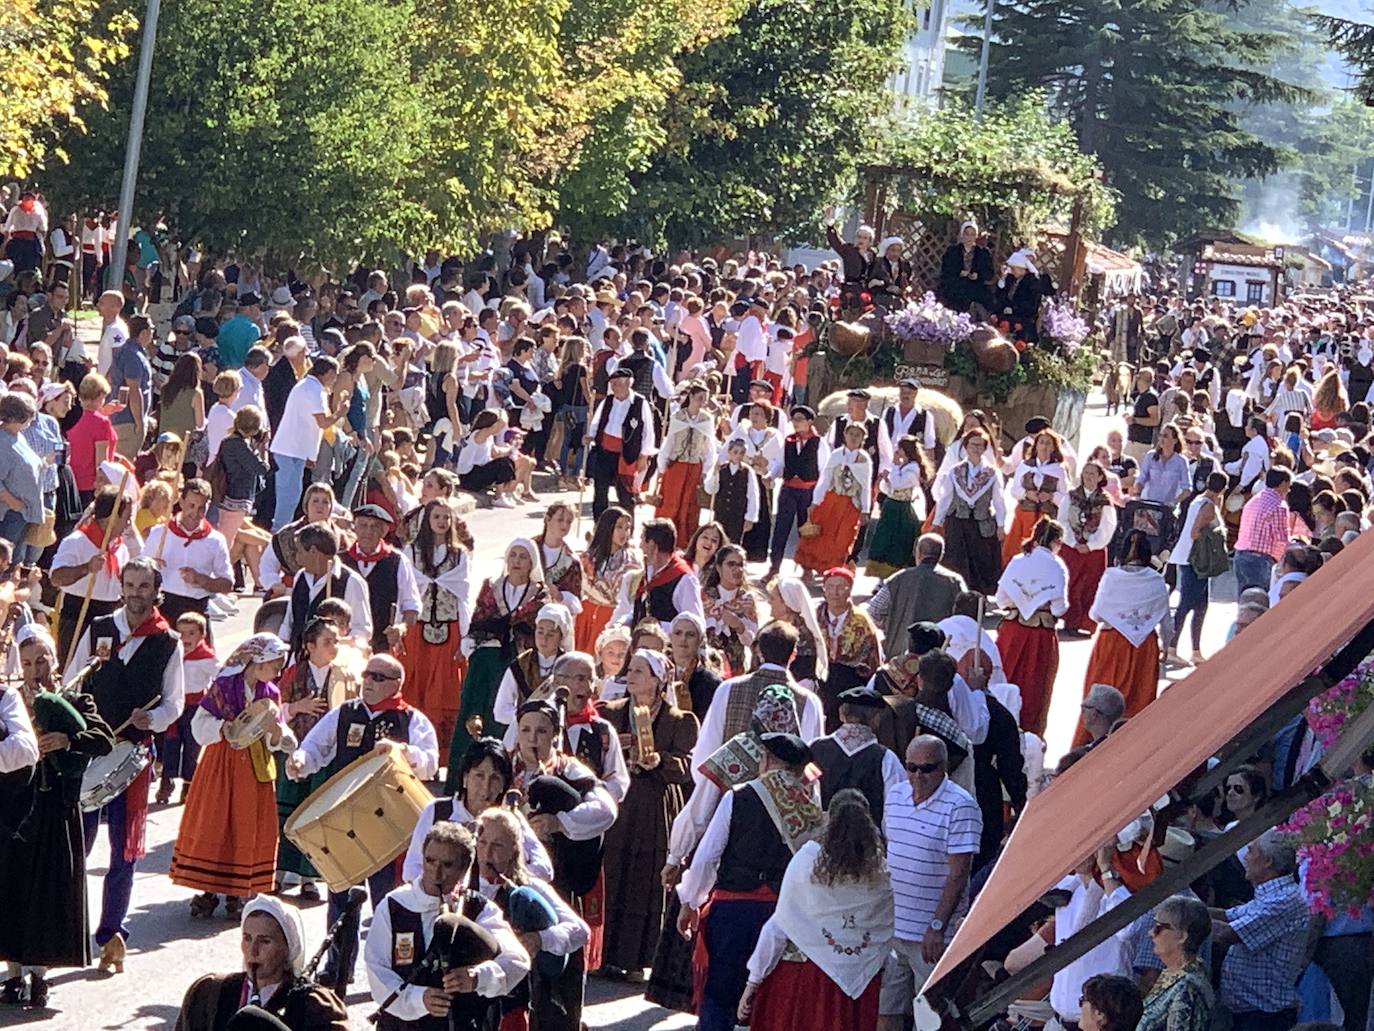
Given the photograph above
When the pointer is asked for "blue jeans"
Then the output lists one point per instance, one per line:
(1253, 569)
(343, 950)
(574, 425)
(290, 474)
(1192, 597)
(12, 527)
(119, 881)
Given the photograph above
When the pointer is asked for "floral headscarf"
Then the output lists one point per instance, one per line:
(228, 695)
(775, 711)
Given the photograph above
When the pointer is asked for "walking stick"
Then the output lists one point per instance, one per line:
(582, 483)
(90, 577)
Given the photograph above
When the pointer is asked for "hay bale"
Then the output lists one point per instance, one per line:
(949, 416)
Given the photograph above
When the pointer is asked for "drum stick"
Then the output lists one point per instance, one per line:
(90, 577)
(129, 722)
(978, 635)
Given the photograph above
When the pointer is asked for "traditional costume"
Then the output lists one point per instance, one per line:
(842, 497)
(433, 660)
(392, 592)
(621, 431)
(563, 571)
(1032, 477)
(811, 663)
(804, 457)
(971, 509)
(897, 422)
(688, 448)
(1089, 519)
(174, 548)
(452, 809)
(1131, 602)
(307, 591)
(1035, 590)
(530, 674)
(659, 594)
(601, 587)
(76, 549)
(736, 495)
(763, 454)
(179, 749)
(502, 625)
(227, 842)
(853, 757)
(893, 543)
(734, 645)
(853, 649)
(966, 275)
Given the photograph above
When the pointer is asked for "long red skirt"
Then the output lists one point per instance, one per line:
(590, 622)
(679, 501)
(1085, 570)
(1132, 671)
(839, 522)
(434, 678)
(227, 843)
(800, 995)
(1030, 657)
(1022, 523)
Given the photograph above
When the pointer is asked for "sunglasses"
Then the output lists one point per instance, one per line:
(378, 677)
(1161, 926)
(923, 767)
(1237, 789)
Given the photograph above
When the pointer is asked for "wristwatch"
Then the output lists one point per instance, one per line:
(937, 925)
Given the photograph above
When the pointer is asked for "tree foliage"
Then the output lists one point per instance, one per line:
(58, 55)
(1355, 42)
(1156, 89)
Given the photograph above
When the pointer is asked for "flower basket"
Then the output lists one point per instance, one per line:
(927, 329)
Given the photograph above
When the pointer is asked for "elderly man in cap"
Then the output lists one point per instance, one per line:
(271, 981)
(905, 418)
(738, 868)
(622, 437)
(853, 757)
(392, 593)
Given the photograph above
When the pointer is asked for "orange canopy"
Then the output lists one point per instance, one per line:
(1158, 748)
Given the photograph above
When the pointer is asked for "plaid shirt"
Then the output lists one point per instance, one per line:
(1264, 524)
(1260, 972)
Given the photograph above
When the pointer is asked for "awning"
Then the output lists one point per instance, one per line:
(1162, 745)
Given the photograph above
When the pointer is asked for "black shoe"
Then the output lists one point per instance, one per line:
(12, 994)
(38, 992)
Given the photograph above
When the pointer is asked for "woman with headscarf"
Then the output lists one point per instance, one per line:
(688, 448)
(1132, 600)
(695, 681)
(890, 275)
(1034, 590)
(562, 570)
(612, 652)
(658, 739)
(1089, 520)
(531, 669)
(433, 656)
(502, 626)
(791, 603)
(42, 855)
(1017, 301)
(966, 272)
(609, 558)
(227, 844)
(731, 608)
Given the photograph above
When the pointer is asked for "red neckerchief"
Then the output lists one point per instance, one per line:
(187, 536)
(383, 550)
(676, 566)
(393, 704)
(586, 715)
(96, 535)
(154, 624)
(200, 651)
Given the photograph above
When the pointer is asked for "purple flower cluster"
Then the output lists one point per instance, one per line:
(1062, 325)
(930, 320)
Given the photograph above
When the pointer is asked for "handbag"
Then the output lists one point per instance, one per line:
(44, 534)
(1208, 556)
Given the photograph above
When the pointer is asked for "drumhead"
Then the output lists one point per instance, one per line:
(98, 769)
(342, 786)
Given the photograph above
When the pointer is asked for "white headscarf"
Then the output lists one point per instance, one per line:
(888, 242)
(288, 919)
(1022, 259)
(532, 550)
(558, 614)
(968, 224)
(658, 664)
(794, 593)
(30, 632)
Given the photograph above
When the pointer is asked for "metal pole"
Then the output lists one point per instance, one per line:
(983, 63)
(119, 250)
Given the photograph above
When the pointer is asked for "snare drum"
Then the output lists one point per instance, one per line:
(251, 724)
(360, 819)
(107, 778)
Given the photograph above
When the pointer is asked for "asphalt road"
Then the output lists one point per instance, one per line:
(168, 949)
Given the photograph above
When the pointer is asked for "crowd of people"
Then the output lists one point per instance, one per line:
(762, 796)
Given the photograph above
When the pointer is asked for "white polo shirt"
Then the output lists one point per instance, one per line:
(920, 839)
(299, 435)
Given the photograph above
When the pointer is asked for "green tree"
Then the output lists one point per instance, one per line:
(768, 121)
(1156, 89)
(58, 56)
(1354, 40)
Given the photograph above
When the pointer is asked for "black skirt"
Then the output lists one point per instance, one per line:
(43, 886)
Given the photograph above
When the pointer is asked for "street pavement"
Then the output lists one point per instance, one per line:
(168, 950)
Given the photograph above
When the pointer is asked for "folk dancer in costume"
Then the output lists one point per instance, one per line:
(609, 559)
(905, 418)
(853, 645)
(392, 594)
(86, 552)
(659, 739)
(790, 602)
(1038, 487)
(731, 888)
(971, 513)
(502, 627)
(804, 455)
(732, 610)
(693, 663)
(530, 674)
(760, 393)
(667, 585)
(853, 758)
(378, 721)
(314, 684)
(570, 811)
(323, 576)
(1132, 602)
(841, 502)
(282, 561)
(687, 451)
(42, 860)
(763, 454)
(198, 668)
(1034, 589)
(546, 925)
(433, 656)
(138, 690)
(483, 780)
(819, 958)
(903, 490)
(1017, 298)
(612, 655)
(424, 988)
(1024, 448)
(227, 843)
(734, 490)
(271, 981)
(621, 437)
(192, 555)
(966, 272)
(562, 570)
(1089, 520)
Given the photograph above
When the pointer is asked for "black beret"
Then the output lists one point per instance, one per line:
(805, 412)
(862, 697)
(787, 747)
(1036, 423)
(924, 637)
